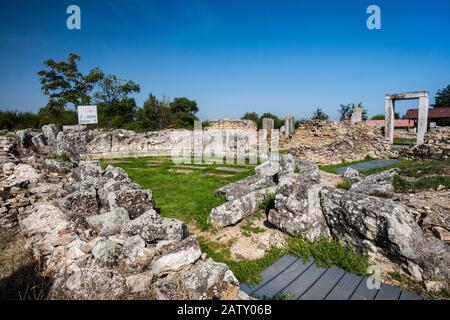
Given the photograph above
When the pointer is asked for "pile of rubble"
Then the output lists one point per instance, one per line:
(435, 146)
(381, 227)
(330, 142)
(224, 124)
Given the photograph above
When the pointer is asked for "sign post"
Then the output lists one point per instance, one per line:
(87, 115)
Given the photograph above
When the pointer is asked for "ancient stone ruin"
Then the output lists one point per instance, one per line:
(422, 124)
(99, 235)
(330, 142)
(382, 228)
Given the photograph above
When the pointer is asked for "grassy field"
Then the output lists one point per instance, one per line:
(188, 195)
(405, 141)
(185, 192)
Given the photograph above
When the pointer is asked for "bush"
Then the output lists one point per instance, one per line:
(268, 203)
(327, 253)
(344, 184)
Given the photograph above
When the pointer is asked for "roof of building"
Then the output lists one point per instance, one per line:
(433, 113)
(398, 123)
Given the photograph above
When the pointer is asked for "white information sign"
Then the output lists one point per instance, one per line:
(87, 114)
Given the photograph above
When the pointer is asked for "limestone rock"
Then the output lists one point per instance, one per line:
(209, 279)
(106, 251)
(352, 175)
(378, 183)
(151, 228)
(182, 254)
(382, 227)
(297, 203)
(235, 190)
(140, 282)
(238, 209)
(80, 203)
(109, 223)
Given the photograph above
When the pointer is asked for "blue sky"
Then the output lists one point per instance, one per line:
(236, 55)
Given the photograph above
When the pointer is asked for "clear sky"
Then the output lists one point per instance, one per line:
(233, 56)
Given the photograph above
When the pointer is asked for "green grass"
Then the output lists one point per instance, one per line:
(405, 141)
(297, 169)
(268, 203)
(432, 182)
(247, 226)
(58, 156)
(332, 168)
(246, 271)
(416, 168)
(185, 196)
(328, 253)
(344, 184)
(417, 286)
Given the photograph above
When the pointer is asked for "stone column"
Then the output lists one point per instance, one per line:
(356, 115)
(267, 123)
(389, 119)
(422, 123)
(289, 125)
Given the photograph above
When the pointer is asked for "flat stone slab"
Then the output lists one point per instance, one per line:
(193, 167)
(367, 165)
(181, 170)
(297, 279)
(228, 169)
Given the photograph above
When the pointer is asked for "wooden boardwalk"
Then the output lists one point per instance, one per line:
(290, 277)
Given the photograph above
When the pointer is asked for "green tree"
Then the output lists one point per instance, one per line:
(346, 110)
(13, 120)
(53, 112)
(253, 116)
(116, 109)
(443, 97)
(381, 116)
(320, 115)
(155, 114)
(64, 84)
(276, 121)
(183, 105)
(183, 112)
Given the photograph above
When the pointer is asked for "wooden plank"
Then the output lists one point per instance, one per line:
(324, 285)
(246, 288)
(275, 269)
(388, 292)
(302, 283)
(406, 295)
(281, 281)
(345, 287)
(363, 292)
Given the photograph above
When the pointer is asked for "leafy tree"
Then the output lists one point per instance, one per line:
(299, 122)
(183, 105)
(116, 109)
(64, 84)
(13, 120)
(378, 117)
(253, 116)
(183, 112)
(155, 114)
(443, 97)
(346, 110)
(57, 114)
(277, 122)
(381, 116)
(320, 115)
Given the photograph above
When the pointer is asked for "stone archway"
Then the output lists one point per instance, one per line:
(422, 123)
